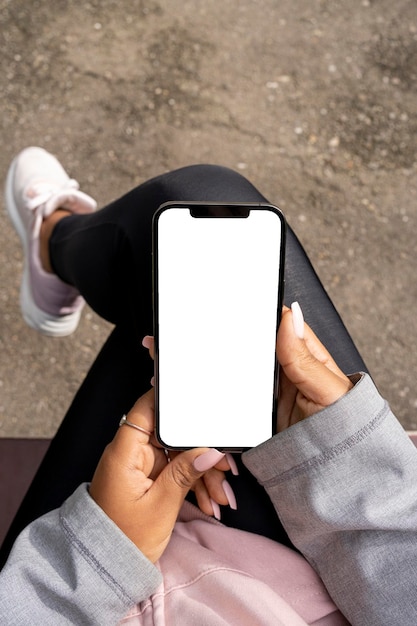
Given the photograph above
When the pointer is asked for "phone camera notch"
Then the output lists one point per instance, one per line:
(219, 211)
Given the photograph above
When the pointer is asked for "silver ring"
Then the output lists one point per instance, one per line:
(142, 430)
(168, 458)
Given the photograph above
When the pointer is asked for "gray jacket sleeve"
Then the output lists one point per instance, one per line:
(74, 566)
(344, 484)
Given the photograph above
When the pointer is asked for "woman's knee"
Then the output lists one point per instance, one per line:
(203, 183)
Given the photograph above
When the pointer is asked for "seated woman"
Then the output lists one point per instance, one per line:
(315, 526)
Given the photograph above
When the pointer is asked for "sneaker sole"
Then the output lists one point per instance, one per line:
(39, 320)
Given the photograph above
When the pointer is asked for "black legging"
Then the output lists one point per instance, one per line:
(107, 256)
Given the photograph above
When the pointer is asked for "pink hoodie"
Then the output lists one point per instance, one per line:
(214, 575)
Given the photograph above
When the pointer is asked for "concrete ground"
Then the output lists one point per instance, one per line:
(313, 100)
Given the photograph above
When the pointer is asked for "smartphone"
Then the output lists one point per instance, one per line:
(217, 297)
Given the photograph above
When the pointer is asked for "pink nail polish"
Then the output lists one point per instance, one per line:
(216, 509)
(231, 498)
(153, 381)
(146, 341)
(232, 464)
(297, 320)
(207, 460)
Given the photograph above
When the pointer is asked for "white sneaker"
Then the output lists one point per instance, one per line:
(36, 186)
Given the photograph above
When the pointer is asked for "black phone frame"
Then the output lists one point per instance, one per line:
(227, 210)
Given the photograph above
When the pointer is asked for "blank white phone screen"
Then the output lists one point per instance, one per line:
(217, 283)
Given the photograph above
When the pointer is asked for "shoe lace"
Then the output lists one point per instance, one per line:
(43, 191)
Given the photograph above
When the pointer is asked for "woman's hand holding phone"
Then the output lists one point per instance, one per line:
(142, 493)
(309, 377)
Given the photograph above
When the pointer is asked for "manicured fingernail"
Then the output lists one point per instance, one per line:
(216, 509)
(231, 498)
(232, 464)
(207, 460)
(153, 381)
(147, 341)
(297, 320)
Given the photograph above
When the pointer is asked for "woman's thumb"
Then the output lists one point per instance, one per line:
(179, 476)
(306, 362)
